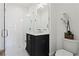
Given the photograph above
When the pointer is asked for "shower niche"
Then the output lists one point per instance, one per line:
(37, 37)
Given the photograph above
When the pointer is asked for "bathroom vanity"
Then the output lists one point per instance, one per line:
(37, 44)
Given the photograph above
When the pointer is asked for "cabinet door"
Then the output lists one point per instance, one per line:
(29, 44)
(42, 46)
(28, 40)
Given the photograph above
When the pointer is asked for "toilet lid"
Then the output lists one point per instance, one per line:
(63, 52)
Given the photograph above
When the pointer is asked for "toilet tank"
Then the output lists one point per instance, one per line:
(71, 45)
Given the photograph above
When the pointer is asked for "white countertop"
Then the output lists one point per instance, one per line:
(36, 34)
(72, 40)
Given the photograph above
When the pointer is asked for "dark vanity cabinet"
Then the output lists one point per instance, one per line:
(37, 45)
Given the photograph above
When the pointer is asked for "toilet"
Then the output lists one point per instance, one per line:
(70, 48)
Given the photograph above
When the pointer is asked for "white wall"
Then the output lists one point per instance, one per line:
(73, 11)
(52, 30)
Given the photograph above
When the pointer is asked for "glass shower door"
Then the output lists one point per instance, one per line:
(14, 42)
(2, 47)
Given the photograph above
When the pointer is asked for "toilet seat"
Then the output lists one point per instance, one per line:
(63, 52)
